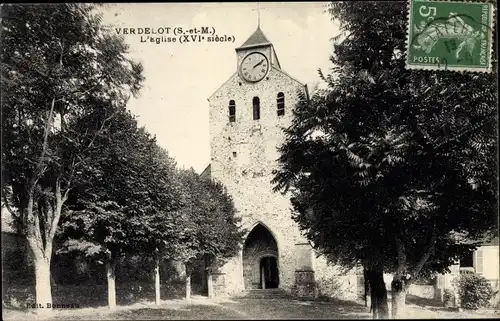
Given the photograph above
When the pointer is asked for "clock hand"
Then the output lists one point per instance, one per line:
(260, 62)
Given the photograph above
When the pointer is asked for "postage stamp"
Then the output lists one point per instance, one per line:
(447, 35)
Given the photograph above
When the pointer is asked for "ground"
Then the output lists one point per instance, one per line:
(202, 308)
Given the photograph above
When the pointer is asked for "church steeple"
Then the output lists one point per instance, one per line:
(257, 38)
(258, 42)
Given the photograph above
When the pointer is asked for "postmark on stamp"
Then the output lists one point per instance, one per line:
(446, 35)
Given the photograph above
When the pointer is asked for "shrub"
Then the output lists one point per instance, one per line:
(448, 297)
(329, 287)
(495, 300)
(474, 291)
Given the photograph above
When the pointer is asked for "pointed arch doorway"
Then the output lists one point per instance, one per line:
(260, 259)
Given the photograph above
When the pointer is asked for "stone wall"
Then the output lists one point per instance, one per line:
(332, 281)
(423, 291)
(243, 155)
(219, 279)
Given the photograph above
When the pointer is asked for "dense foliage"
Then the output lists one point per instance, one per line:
(473, 290)
(63, 78)
(214, 233)
(115, 204)
(76, 165)
(391, 168)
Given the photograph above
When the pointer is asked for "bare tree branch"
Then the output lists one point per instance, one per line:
(56, 210)
(32, 224)
(48, 125)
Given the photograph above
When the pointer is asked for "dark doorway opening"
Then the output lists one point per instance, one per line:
(269, 273)
(260, 259)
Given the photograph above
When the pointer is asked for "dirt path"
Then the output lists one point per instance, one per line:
(202, 308)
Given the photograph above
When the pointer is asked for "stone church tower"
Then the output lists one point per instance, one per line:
(247, 114)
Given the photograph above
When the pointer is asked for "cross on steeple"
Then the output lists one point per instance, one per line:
(258, 13)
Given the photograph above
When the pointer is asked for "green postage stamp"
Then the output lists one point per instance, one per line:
(446, 35)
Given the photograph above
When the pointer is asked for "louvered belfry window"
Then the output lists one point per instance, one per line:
(281, 104)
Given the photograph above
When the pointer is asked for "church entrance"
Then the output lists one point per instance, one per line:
(269, 273)
(260, 259)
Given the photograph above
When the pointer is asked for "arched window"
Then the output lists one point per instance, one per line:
(256, 108)
(232, 111)
(281, 104)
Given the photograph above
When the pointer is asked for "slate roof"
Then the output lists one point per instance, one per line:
(257, 38)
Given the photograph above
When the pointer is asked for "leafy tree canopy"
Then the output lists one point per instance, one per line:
(214, 231)
(391, 167)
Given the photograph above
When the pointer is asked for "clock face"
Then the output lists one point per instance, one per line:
(254, 67)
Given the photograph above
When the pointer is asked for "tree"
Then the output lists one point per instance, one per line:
(188, 248)
(60, 69)
(109, 209)
(210, 227)
(373, 158)
(158, 235)
(221, 234)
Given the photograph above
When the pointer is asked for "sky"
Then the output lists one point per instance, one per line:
(179, 77)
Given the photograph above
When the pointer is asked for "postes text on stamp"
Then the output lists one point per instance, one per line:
(446, 35)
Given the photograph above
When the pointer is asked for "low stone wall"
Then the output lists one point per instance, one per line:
(340, 286)
(422, 291)
(218, 283)
(334, 282)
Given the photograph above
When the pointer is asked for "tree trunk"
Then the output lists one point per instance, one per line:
(110, 272)
(210, 284)
(378, 294)
(398, 293)
(188, 281)
(43, 289)
(41, 252)
(52, 281)
(157, 280)
(40, 236)
(367, 288)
